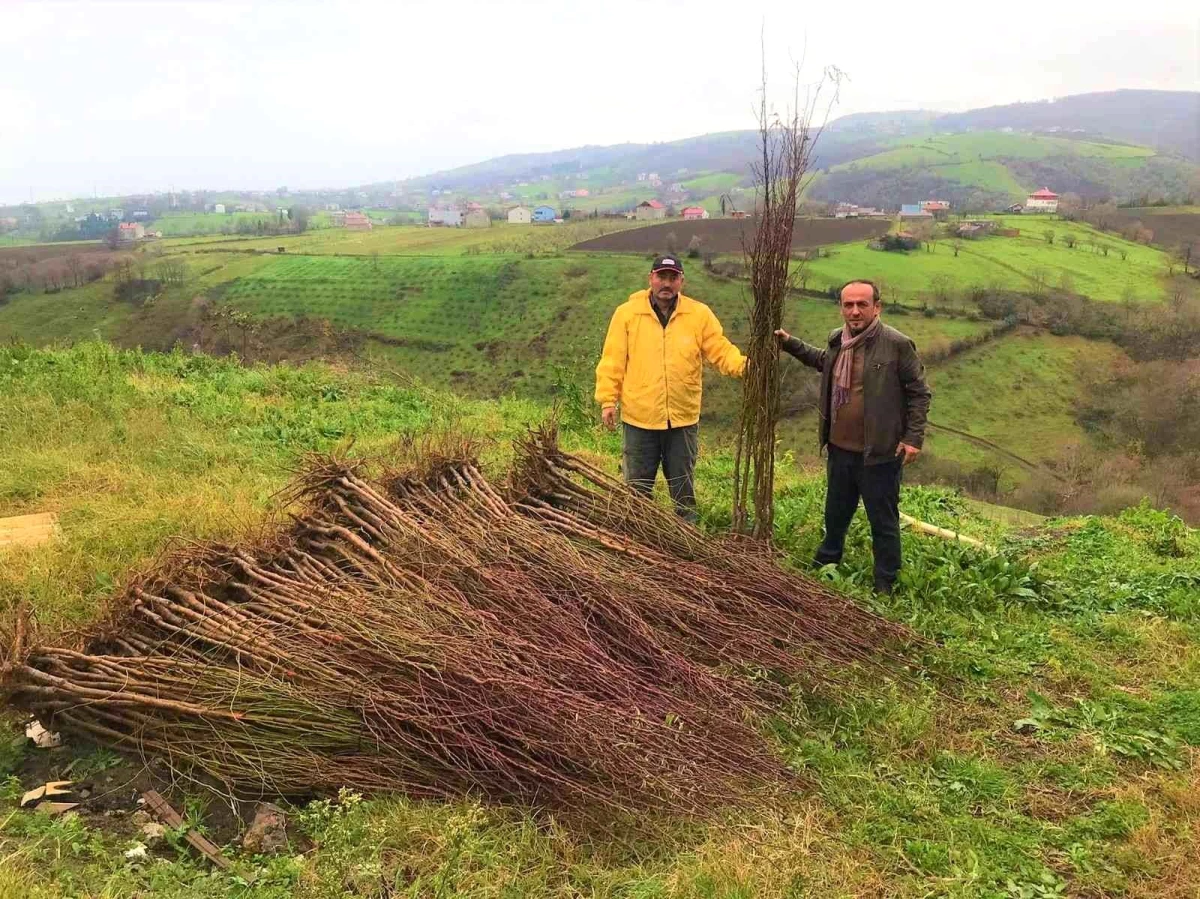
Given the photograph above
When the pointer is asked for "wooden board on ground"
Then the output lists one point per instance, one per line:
(28, 530)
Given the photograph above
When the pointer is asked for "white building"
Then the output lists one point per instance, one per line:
(219, 208)
(451, 216)
(1044, 200)
(519, 215)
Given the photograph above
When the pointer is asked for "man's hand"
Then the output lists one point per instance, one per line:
(608, 415)
(909, 453)
(783, 335)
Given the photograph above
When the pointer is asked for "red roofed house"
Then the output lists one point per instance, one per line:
(650, 209)
(357, 221)
(694, 212)
(1044, 200)
(130, 231)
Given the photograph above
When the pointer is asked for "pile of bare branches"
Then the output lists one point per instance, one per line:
(785, 146)
(561, 643)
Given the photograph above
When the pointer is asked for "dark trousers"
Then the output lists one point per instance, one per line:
(675, 449)
(879, 488)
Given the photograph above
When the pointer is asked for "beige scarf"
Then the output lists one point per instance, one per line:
(843, 366)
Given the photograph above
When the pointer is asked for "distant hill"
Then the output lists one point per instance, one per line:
(1166, 120)
(1132, 146)
(985, 169)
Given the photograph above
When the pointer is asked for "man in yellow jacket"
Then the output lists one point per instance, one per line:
(653, 366)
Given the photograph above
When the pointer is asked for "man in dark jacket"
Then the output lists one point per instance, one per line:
(874, 402)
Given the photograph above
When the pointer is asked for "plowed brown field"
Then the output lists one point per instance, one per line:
(725, 235)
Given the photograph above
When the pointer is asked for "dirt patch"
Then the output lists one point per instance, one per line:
(109, 791)
(725, 235)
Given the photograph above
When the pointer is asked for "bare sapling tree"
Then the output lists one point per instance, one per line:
(785, 145)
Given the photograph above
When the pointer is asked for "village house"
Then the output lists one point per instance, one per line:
(545, 214)
(127, 232)
(936, 206)
(648, 210)
(337, 219)
(914, 211)
(694, 212)
(478, 218)
(519, 215)
(219, 208)
(356, 221)
(677, 187)
(582, 192)
(1044, 200)
(447, 216)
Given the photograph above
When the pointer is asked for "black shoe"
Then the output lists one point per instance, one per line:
(883, 588)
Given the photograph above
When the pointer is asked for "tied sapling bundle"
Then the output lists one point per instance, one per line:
(785, 145)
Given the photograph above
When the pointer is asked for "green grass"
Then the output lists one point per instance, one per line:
(1007, 262)
(419, 240)
(1018, 392)
(184, 224)
(1049, 751)
(984, 146)
(715, 182)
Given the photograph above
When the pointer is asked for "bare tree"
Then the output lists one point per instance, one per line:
(75, 267)
(1040, 277)
(957, 245)
(1184, 253)
(785, 145)
(1069, 239)
(1069, 206)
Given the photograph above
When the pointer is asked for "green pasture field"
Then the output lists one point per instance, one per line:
(1019, 392)
(494, 324)
(1008, 262)
(714, 182)
(989, 176)
(419, 240)
(1045, 747)
(188, 224)
(981, 146)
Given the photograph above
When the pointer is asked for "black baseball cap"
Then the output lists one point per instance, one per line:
(667, 263)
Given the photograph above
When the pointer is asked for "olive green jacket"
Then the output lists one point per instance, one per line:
(895, 395)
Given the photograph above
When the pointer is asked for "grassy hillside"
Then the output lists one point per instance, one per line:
(989, 169)
(1017, 392)
(1049, 750)
(951, 149)
(1017, 263)
(485, 324)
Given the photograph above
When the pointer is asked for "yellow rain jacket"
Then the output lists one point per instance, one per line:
(657, 373)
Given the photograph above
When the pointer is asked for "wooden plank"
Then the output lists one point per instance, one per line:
(162, 810)
(28, 530)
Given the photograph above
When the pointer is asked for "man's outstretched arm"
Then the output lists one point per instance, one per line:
(805, 352)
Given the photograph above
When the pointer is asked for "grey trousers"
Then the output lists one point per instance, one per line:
(675, 449)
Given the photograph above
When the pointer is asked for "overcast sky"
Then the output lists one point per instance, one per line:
(130, 97)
